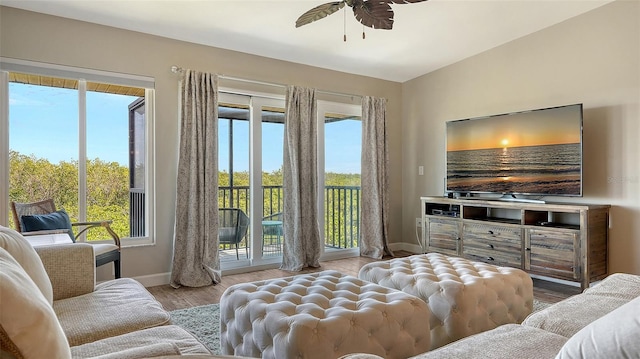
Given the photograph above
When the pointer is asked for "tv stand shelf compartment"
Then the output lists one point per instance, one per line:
(558, 240)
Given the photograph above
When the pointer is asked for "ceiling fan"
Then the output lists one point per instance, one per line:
(376, 14)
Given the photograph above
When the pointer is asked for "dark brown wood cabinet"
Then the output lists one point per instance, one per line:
(558, 240)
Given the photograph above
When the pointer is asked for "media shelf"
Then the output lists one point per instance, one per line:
(559, 240)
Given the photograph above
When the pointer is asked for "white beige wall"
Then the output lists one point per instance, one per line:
(591, 59)
(30, 36)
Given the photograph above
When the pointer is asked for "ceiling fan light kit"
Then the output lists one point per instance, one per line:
(376, 14)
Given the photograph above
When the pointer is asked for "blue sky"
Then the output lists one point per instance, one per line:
(44, 123)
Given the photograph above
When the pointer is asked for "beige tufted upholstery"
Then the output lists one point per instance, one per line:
(321, 315)
(465, 297)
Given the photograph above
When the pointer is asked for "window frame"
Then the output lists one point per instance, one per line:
(83, 76)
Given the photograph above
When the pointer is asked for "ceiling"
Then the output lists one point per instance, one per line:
(426, 36)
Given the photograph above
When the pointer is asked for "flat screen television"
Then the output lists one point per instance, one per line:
(531, 153)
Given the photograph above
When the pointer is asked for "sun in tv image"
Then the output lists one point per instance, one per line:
(534, 152)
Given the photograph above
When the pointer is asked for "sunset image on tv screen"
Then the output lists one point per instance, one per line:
(534, 152)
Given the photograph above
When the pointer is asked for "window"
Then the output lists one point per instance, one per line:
(82, 143)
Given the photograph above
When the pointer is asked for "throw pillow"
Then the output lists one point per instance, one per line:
(614, 335)
(42, 222)
(22, 251)
(26, 317)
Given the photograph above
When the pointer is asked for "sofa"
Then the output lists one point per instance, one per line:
(51, 307)
(601, 322)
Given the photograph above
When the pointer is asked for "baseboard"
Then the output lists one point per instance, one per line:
(407, 247)
(153, 280)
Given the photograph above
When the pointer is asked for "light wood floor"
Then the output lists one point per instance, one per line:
(185, 297)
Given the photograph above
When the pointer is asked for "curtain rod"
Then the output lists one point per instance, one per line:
(179, 70)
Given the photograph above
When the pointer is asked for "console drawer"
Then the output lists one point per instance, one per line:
(499, 245)
(494, 256)
(490, 234)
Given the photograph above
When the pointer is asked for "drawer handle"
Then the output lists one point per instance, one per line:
(527, 249)
(490, 259)
(490, 246)
(491, 232)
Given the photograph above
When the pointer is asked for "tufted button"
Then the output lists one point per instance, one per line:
(353, 322)
(315, 330)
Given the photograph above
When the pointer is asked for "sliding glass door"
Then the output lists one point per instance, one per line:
(250, 142)
(250, 159)
(339, 171)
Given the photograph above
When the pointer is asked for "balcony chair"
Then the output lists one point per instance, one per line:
(233, 226)
(42, 218)
(272, 227)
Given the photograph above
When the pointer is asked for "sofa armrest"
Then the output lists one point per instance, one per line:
(71, 268)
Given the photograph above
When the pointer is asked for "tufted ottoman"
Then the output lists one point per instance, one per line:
(321, 315)
(465, 297)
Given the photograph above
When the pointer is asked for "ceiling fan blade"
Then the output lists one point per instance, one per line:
(319, 12)
(374, 14)
(403, 1)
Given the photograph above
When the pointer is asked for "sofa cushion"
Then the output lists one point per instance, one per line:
(567, 317)
(617, 285)
(115, 307)
(20, 249)
(42, 222)
(28, 322)
(611, 336)
(574, 313)
(152, 342)
(506, 341)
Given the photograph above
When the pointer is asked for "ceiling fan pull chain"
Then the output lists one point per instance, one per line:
(344, 22)
(363, 37)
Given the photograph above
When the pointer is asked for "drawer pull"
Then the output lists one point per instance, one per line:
(490, 246)
(491, 232)
(490, 259)
(527, 249)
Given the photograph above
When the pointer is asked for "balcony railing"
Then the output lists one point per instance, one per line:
(136, 212)
(341, 214)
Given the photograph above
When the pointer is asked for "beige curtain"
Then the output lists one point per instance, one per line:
(302, 242)
(195, 259)
(374, 232)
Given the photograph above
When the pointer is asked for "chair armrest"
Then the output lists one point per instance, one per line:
(70, 267)
(104, 224)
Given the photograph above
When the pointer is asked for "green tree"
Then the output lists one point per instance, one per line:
(34, 179)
